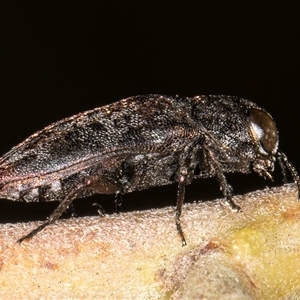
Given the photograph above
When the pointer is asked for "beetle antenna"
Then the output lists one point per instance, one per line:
(286, 164)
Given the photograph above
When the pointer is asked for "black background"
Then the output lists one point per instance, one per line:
(59, 58)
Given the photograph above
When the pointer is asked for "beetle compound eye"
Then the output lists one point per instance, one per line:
(264, 131)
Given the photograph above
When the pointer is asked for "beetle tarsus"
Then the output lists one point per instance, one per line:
(33, 232)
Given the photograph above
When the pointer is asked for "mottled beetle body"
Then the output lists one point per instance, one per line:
(141, 142)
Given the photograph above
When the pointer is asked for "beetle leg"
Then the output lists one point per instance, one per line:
(70, 210)
(63, 205)
(180, 200)
(225, 186)
(118, 201)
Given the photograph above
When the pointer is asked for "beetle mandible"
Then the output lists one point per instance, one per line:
(142, 142)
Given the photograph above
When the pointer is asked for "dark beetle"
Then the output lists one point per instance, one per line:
(141, 142)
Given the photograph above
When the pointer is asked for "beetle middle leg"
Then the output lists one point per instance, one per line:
(180, 200)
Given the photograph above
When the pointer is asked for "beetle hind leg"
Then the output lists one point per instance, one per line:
(63, 206)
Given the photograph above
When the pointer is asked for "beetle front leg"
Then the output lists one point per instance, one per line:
(225, 186)
(227, 192)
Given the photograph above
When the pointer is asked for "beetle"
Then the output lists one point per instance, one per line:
(141, 142)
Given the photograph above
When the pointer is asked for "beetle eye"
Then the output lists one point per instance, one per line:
(264, 131)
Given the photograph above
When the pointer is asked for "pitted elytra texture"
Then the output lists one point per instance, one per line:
(142, 142)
